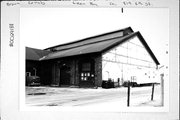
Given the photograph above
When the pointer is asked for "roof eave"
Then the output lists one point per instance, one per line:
(44, 59)
(138, 34)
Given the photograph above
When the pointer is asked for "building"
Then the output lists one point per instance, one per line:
(34, 65)
(121, 55)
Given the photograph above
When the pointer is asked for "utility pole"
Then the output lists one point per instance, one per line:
(152, 95)
(162, 89)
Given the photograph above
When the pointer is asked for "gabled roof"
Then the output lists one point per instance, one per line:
(93, 39)
(98, 46)
(35, 54)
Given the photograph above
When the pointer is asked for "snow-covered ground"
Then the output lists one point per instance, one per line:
(58, 96)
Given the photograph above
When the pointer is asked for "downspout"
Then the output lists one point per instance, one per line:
(35, 70)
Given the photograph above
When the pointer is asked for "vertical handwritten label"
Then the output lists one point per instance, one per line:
(11, 33)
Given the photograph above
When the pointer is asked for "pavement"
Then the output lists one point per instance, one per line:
(59, 96)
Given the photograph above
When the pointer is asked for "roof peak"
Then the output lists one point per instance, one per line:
(33, 48)
(35, 54)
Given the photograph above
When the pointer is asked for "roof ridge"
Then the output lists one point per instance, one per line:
(84, 39)
(97, 42)
(122, 37)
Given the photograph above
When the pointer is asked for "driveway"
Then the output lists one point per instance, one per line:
(56, 96)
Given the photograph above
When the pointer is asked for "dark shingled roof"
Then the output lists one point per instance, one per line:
(93, 39)
(96, 44)
(87, 48)
(99, 46)
(35, 54)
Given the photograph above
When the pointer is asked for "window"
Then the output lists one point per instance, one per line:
(86, 67)
(85, 76)
(86, 71)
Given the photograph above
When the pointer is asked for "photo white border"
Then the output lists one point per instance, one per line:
(10, 14)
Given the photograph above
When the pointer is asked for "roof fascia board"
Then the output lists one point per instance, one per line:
(142, 40)
(147, 48)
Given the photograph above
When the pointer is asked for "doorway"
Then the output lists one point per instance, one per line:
(86, 73)
(64, 75)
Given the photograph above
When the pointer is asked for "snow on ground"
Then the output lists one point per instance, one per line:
(58, 96)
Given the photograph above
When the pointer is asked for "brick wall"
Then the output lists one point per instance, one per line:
(98, 70)
(74, 62)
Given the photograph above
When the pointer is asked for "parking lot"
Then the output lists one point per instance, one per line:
(58, 96)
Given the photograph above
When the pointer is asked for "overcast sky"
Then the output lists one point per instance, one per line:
(45, 27)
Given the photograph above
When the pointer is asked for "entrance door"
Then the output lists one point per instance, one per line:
(87, 74)
(65, 75)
